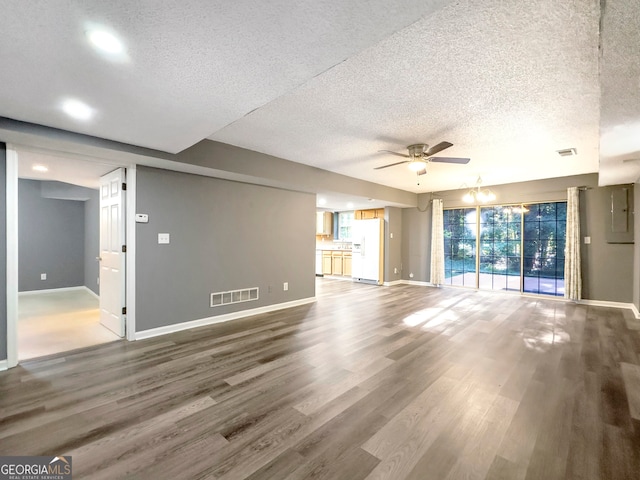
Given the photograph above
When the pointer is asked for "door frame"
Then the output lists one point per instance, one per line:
(12, 252)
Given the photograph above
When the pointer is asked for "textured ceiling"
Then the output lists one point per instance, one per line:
(191, 66)
(329, 84)
(508, 83)
(620, 101)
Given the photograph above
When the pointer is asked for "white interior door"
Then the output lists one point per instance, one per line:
(112, 258)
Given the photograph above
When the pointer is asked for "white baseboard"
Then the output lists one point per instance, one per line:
(154, 332)
(4, 365)
(605, 303)
(595, 303)
(92, 292)
(395, 282)
(52, 290)
(417, 283)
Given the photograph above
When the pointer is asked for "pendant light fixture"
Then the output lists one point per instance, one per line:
(479, 195)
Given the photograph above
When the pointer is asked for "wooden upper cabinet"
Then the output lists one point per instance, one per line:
(324, 223)
(367, 214)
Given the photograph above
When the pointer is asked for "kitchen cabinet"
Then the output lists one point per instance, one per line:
(346, 264)
(336, 263)
(326, 263)
(324, 223)
(319, 263)
(368, 214)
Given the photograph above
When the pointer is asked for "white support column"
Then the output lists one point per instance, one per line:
(12, 256)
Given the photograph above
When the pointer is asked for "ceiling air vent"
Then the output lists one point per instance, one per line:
(567, 152)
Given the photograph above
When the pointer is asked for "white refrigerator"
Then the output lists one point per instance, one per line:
(366, 260)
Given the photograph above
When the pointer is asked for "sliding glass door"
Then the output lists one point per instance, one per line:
(500, 248)
(506, 247)
(460, 231)
(545, 227)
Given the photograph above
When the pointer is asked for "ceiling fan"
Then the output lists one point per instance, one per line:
(420, 154)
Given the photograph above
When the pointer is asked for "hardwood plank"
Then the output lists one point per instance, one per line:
(402, 382)
(631, 379)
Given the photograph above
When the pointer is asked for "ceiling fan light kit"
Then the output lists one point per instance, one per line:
(417, 165)
(420, 155)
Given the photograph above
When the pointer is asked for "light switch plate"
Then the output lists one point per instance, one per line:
(164, 238)
(587, 240)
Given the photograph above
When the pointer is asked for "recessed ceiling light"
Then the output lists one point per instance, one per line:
(105, 42)
(39, 168)
(77, 109)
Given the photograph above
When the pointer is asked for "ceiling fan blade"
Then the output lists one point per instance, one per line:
(422, 172)
(462, 161)
(391, 165)
(438, 148)
(395, 153)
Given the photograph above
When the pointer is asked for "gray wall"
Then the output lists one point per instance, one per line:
(392, 246)
(416, 243)
(3, 250)
(92, 241)
(224, 236)
(51, 240)
(607, 269)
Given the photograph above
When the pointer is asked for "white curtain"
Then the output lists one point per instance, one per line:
(437, 243)
(572, 276)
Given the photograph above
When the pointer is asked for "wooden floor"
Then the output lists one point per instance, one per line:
(401, 382)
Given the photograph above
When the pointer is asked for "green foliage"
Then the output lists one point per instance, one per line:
(503, 240)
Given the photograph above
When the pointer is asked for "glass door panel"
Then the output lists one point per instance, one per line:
(500, 248)
(544, 241)
(519, 247)
(460, 247)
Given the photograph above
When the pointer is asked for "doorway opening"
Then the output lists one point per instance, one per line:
(59, 240)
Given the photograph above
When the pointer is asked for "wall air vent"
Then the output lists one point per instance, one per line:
(234, 296)
(567, 152)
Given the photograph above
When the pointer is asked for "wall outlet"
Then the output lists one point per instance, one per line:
(587, 240)
(395, 270)
(285, 286)
(43, 276)
(164, 238)
(411, 275)
(98, 281)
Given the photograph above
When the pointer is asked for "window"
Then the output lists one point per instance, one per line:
(345, 220)
(500, 248)
(507, 247)
(460, 228)
(545, 227)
